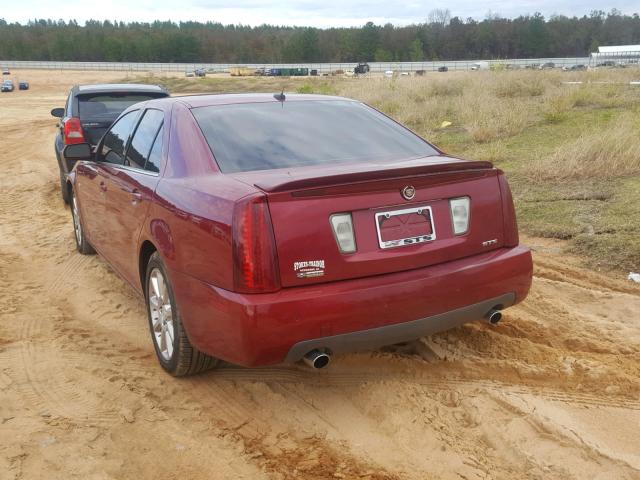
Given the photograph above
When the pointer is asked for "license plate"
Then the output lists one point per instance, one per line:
(409, 226)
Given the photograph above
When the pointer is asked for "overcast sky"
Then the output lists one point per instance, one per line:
(320, 13)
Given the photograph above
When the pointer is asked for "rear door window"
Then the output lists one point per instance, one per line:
(115, 140)
(153, 162)
(143, 138)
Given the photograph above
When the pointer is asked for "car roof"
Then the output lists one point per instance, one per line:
(118, 87)
(195, 101)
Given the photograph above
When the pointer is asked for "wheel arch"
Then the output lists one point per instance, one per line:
(147, 248)
(69, 185)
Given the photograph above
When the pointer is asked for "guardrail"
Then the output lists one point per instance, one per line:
(320, 67)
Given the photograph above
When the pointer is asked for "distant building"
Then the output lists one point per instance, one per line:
(616, 54)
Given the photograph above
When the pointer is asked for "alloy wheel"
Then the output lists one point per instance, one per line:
(77, 227)
(161, 313)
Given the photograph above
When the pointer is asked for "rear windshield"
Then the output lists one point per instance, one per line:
(108, 106)
(264, 136)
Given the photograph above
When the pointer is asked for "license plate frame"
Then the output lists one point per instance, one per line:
(405, 242)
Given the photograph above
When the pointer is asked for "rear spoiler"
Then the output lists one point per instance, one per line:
(302, 180)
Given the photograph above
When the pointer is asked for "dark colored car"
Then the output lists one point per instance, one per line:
(443, 69)
(23, 85)
(361, 69)
(5, 71)
(200, 72)
(7, 86)
(265, 228)
(89, 112)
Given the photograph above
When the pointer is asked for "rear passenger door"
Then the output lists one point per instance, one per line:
(131, 184)
(93, 180)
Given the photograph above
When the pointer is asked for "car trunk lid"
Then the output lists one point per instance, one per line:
(301, 202)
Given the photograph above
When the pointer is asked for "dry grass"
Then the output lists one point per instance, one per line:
(490, 105)
(613, 151)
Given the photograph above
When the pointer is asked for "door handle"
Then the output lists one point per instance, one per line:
(136, 196)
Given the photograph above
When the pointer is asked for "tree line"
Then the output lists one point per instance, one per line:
(440, 37)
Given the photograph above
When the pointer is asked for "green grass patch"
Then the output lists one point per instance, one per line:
(615, 240)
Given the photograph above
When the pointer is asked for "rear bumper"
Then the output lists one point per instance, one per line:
(399, 332)
(349, 315)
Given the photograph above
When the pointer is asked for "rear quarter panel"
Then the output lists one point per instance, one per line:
(190, 219)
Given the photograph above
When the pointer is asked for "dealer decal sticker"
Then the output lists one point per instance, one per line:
(309, 269)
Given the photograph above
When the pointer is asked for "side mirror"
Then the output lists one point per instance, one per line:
(78, 151)
(57, 112)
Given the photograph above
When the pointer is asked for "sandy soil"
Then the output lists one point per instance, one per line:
(553, 392)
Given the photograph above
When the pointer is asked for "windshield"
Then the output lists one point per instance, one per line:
(108, 106)
(263, 136)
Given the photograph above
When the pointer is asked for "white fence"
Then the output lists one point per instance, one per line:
(320, 67)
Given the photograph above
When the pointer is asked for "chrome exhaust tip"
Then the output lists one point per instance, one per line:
(317, 359)
(493, 316)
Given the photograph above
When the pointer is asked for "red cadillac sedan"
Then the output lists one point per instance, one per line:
(273, 228)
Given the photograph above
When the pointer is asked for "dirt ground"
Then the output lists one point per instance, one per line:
(553, 392)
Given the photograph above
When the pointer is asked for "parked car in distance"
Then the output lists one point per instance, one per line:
(89, 112)
(200, 72)
(547, 66)
(264, 228)
(5, 71)
(22, 85)
(573, 68)
(443, 69)
(361, 68)
(7, 86)
(480, 66)
(189, 74)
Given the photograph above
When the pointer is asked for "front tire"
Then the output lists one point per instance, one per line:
(82, 244)
(173, 348)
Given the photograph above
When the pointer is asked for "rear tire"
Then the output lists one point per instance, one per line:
(64, 191)
(173, 348)
(82, 244)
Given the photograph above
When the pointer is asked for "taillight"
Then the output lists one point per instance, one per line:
(73, 131)
(510, 225)
(254, 250)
